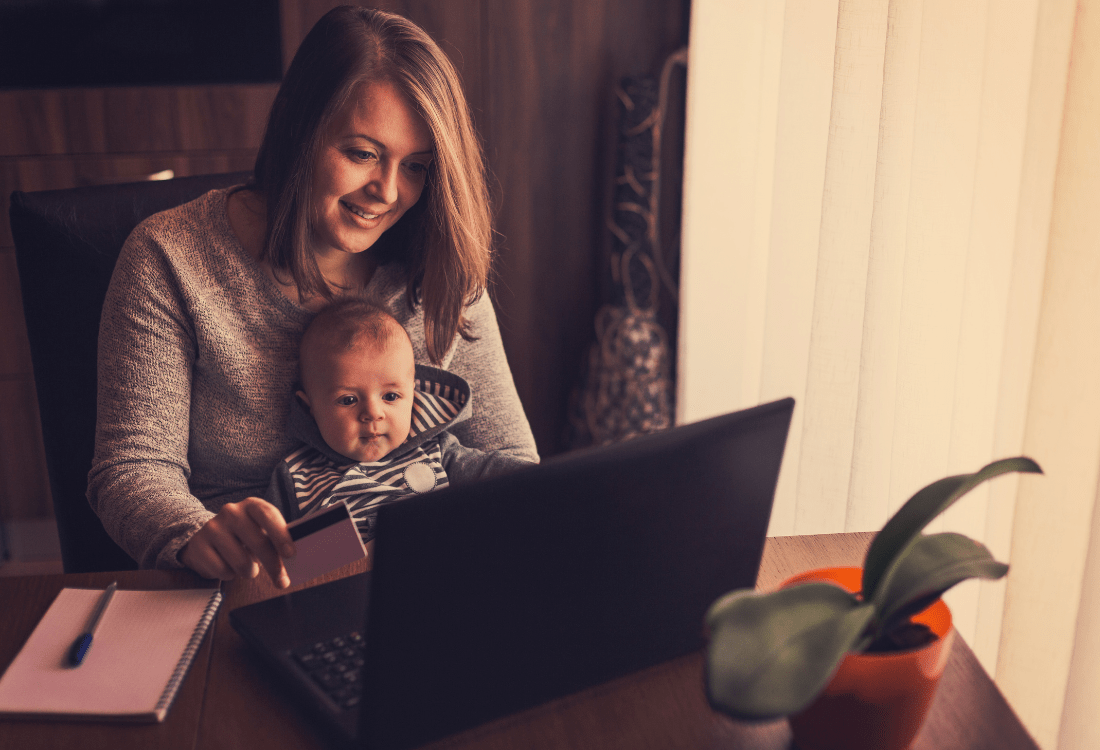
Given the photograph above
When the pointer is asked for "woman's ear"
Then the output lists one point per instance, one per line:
(305, 400)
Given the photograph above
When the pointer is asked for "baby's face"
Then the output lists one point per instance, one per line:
(362, 399)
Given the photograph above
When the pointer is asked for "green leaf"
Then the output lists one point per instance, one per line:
(769, 655)
(902, 529)
(931, 566)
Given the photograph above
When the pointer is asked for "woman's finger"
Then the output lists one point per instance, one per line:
(201, 557)
(268, 517)
(256, 529)
(263, 550)
(226, 538)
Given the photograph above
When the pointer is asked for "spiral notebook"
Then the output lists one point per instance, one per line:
(141, 652)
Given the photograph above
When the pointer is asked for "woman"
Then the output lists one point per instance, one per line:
(369, 181)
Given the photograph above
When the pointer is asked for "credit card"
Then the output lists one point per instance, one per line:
(325, 540)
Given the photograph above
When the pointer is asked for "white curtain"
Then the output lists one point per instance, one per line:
(872, 194)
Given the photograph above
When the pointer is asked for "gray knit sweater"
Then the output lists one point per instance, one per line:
(198, 355)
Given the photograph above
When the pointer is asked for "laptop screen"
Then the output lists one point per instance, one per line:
(493, 597)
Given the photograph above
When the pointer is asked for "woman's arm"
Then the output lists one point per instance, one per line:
(138, 481)
(497, 422)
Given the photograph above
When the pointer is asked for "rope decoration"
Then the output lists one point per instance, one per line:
(626, 389)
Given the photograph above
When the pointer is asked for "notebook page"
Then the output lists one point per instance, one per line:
(136, 649)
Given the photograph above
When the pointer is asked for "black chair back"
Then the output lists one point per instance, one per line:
(66, 245)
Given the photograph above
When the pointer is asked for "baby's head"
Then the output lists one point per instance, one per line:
(357, 372)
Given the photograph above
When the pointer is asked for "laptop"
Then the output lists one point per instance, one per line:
(492, 597)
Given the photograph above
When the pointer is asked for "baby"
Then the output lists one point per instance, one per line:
(372, 423)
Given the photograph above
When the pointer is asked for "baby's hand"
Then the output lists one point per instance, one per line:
(238, 540)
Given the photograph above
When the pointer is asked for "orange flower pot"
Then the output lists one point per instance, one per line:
(874, 701)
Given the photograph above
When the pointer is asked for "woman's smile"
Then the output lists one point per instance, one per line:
(360, 212)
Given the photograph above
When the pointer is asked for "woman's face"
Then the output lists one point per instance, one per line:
(371, 170)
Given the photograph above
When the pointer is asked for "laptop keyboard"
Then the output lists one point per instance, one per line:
(336, 666)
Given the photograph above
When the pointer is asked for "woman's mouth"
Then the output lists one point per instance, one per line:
(359, 212)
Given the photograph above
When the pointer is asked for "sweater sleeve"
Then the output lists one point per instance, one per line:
(138, 484)
(498, 422)
(464, 464)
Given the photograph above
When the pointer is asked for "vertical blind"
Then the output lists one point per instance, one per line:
(868, 202)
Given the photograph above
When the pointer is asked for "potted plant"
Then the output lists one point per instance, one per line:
(852, 656)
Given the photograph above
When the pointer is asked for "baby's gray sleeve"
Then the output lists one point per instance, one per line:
(464, 464)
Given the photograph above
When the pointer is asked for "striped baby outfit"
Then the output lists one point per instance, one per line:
(314, 476)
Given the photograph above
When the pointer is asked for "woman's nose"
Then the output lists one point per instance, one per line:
(383, 187)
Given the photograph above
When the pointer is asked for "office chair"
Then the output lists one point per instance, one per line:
(66, 245)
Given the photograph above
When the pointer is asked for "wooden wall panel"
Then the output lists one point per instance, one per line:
(24, 488)
(545, 127)
(15, 353)
(222, 118)
(133, 120)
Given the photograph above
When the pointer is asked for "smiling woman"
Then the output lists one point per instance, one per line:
(369, 183)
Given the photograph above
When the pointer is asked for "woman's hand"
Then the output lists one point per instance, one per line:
(240, 538)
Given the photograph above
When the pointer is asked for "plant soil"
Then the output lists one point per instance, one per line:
(905, 637)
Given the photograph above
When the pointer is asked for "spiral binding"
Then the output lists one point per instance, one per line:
(188, 655)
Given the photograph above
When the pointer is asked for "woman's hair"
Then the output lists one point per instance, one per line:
(445, 240)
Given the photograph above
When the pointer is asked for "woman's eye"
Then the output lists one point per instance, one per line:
(347, 400)
(361, 155)
(416, 167)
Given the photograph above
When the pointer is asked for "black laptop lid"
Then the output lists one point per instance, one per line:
(493, 597)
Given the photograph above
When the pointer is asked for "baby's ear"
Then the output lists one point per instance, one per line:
(304, 399)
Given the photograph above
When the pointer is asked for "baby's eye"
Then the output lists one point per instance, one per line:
(347, 401)
(391, 397)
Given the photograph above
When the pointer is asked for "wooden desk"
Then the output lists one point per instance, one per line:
(227, 702)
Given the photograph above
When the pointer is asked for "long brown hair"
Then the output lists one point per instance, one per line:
(445, 240)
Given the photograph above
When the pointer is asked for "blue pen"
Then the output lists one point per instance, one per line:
(84, 641)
